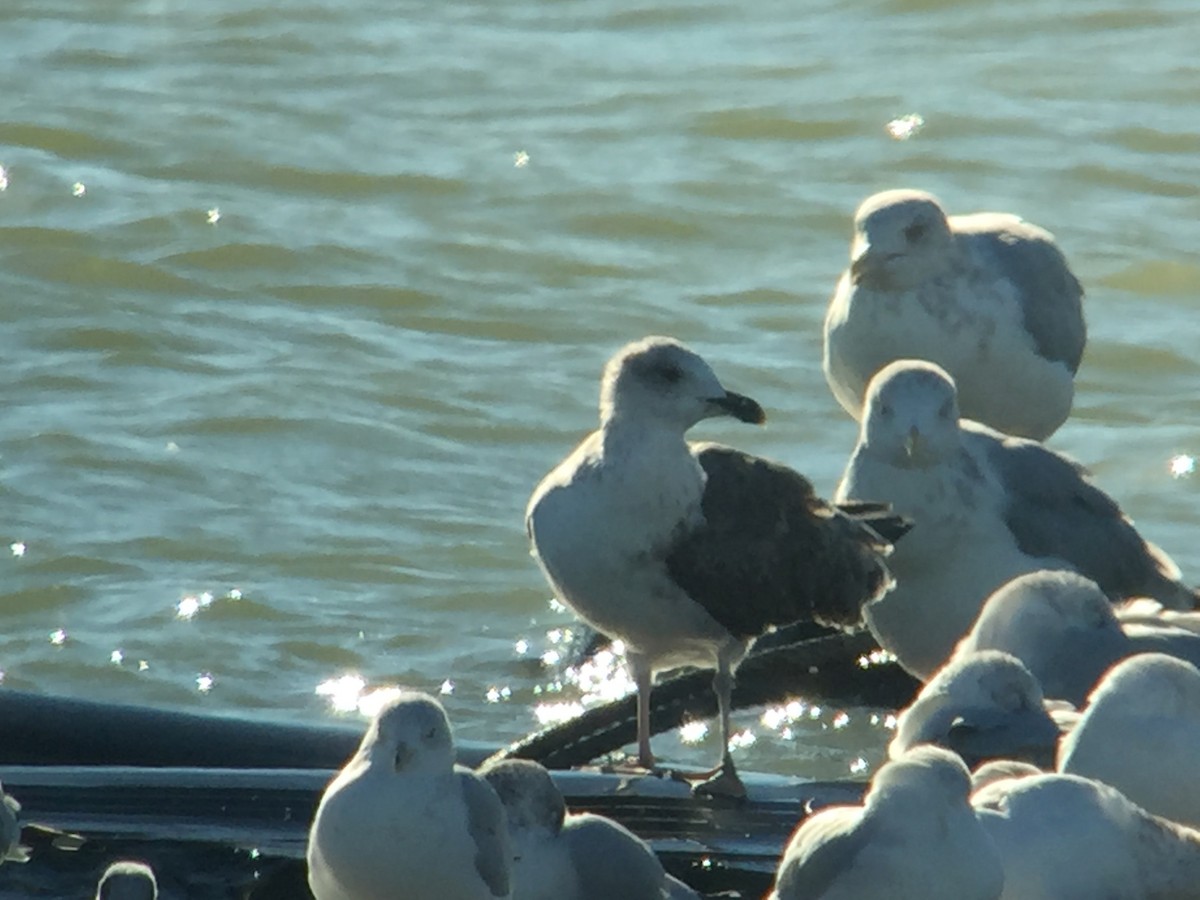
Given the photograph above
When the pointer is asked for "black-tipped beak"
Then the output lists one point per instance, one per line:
(740, 407)
(862, 267)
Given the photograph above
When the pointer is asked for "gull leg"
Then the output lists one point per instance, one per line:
(643, 677)
(723, 781)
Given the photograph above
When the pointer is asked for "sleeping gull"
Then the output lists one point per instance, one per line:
(1140, 733)
(687, 553)
(1000, 770)
(986, 508)
(127, 880)
(11, 849)
(914, 838)
(572, 857)
(982, 706)
(402, 821)
(1067, 633)
(988, 296)
(1062, 836)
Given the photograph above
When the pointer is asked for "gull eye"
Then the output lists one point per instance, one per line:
(431, 733)
(914, 232)
(886, 411)
(670, 373)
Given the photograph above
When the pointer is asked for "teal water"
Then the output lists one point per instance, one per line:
(299, 301)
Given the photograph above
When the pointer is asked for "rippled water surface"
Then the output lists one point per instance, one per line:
(300, 300)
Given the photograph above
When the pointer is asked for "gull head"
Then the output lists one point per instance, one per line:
(920, 776)
(1038, 608)
(1150, 684)
(126, 880)
(901, 238)
(911, 414)
(658, 379)
(531, 798)
(981, 704)
(409, 734)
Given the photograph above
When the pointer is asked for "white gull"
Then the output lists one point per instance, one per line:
(1068, 838)
(401, 821)
(989, 297)
(127, 880)
(914, 838)
(580, 856)
(11, 849)
(986, 507)
(982, 705)
(1140, 733)
(1068, 634)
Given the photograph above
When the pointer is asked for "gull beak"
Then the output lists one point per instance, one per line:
(859, 266)
(739, 406)
(912, 443)
(1028, 734)
(861, 261)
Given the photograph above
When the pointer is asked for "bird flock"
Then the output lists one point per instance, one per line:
(1052, 751)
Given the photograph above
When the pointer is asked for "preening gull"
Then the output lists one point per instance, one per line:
(989, 297)
(914, 838)
(402, 821)
(127, 880)
(1140, 733)
(688, 553)
(1067, 633)
(986, 508)
(573, 857)
(11, 849)
(983, 705)
(1061, 836)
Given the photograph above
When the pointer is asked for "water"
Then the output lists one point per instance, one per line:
(299, 301)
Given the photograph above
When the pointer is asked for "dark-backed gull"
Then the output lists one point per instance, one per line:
(687, 553)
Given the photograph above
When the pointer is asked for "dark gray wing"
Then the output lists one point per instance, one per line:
(1054, 511)
(487, 826)
(771, 552)
(1051, 297)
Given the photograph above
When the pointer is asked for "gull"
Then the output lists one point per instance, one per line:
(1001, 770)
(914, 838)
(582, 856)
(11, 849)
(1062, 836)
(986, 507)
(989, 297)
(983, 705)
(687, 553)
(402, 822)
(1067, 633)
(127, 880)
(1140, 734)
